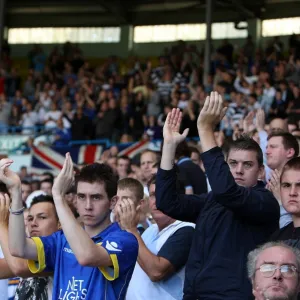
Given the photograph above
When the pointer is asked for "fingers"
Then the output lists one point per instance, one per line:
(5, 161)
(220, 104)
(211, 102)
(5, 165)
(7, 201)
(2, 201)
(206, 104)
(168, 119)
(223, 113)
(178, 120)
(185, 132)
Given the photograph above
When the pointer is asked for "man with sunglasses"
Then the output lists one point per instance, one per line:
(273, 269)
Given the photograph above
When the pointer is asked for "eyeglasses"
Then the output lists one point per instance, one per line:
(287, 271)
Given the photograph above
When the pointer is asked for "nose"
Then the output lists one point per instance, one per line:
(277, 275)
(293, 191)
(33, 223)
(88, 204)
(239, 169)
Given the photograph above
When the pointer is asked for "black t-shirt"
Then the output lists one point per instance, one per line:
(193, 175)
(177, 247)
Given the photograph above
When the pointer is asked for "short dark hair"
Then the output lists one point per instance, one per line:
(133, 185)
(37, 182)
(194, 150)
(182, 150)
(47, 180)
(101, 173)
(125, 157)
(51, 176)
(26, 182)
(246, 143)
(288, 140)
(292, 164)
(43, 199)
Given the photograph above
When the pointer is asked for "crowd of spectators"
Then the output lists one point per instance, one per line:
(195, 217)
(126, 101)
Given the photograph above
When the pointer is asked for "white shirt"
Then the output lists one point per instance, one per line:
(140, 286)
(3, 284)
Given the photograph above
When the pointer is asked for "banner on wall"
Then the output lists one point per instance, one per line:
(9, 142)
(46, 158)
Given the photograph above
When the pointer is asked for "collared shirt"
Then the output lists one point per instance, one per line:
(73, 281)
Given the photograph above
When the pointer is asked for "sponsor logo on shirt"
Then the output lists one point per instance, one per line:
(75, 290)
(68, 250)
(112, 246)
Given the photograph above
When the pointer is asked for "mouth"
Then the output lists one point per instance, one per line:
(34, 233)
(238, 179)
(88, 216)
(293, 202)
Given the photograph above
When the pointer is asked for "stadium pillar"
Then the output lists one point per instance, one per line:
(207, 53)
(255, 30)
(2, 22)
(126, 39)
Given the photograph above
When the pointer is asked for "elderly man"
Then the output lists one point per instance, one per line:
(273, 269)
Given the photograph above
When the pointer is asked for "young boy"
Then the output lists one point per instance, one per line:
(132, 189)
(94, 262)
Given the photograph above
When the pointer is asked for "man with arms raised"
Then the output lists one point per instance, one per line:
(273, 269)
(231, 220)
(94, 262)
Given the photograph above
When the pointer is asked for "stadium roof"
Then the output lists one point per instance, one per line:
(140, 12)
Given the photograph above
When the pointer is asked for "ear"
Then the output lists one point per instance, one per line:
(262, 173)
(59, 226)
(113, 202)
(290, 153)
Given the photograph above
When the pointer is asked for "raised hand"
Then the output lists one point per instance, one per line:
(4, 209)
(127, 214)
(65, 178)
(212, 112)
(274, 185)
(248, 121)
(260, 119)
(7, 176)
(172, 126)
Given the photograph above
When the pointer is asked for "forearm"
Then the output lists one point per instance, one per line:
(207, 139)
(5, 271)
(15, 265)
(18, 243)
(168, 156)
(149, 262)
(86, 251)
(171, 203)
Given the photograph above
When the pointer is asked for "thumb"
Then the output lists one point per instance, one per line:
(223, 113)
(185, 132)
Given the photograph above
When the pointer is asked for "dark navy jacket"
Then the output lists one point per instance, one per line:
(230, 221)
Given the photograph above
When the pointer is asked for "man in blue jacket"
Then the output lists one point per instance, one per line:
(232, 220)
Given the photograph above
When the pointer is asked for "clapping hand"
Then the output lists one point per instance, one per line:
(127, 214)
(212, 112)
(274, 185)
(172, 126)
(7, 176)
(65, 178)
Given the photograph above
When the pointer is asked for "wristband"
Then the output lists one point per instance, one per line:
(18, 211)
